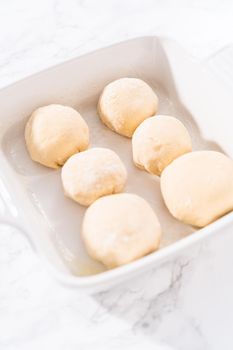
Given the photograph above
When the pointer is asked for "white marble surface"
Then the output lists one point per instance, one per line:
(186, 304)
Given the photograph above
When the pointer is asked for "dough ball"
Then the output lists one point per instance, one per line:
(120, 228)
(94, 173)
(55, 132)
(158, 141)
(125, 103)
(198, 187)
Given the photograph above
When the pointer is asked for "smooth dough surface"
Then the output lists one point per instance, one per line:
(91, 174)
(55, 132)
(158, 141)
(120, 228)
(198, 187)
(125, 103)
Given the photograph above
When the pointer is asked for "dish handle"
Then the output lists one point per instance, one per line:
(9, 216)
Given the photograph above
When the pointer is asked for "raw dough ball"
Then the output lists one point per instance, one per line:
(120, 228)
(92, 174)
(55, 132)
(158, 141)
(198, 187)
(125, 103)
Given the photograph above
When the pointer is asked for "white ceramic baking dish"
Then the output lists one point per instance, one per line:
(31, 195)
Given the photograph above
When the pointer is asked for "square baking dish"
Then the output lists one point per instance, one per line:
(32, 199)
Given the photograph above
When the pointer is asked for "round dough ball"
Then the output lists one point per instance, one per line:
(92, 174)
(55, 132)
(120, 228)
(198, 187)
(158, 141)
(125, 103)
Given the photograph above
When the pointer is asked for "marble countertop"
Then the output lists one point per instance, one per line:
(187, 303)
